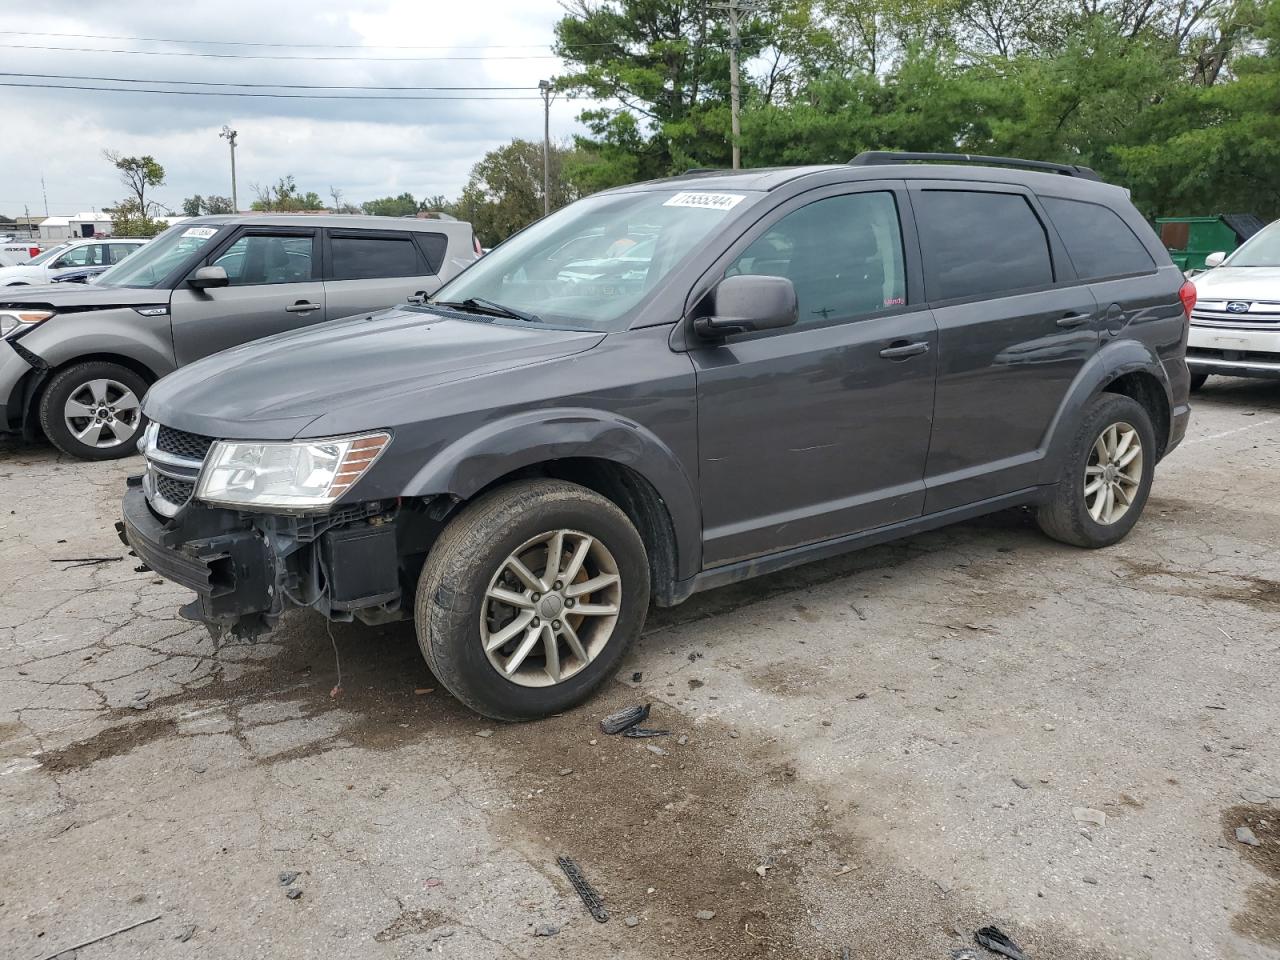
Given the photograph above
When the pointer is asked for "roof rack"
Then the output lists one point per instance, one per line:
(870, 158)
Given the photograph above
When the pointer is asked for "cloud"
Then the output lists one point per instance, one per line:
(365, 149)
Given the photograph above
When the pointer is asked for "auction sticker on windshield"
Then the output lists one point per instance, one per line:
(708, 201)
(203, 233)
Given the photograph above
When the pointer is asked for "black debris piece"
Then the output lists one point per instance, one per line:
(590, 896)
(641, 732)
(624, 719)
(637, 677)
(997, 941)
(142, 568)
(287, 877)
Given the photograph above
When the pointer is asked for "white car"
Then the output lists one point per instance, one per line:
(72, 255)
(1235, 326)
(15, 250)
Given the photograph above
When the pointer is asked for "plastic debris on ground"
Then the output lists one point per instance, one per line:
(582, 886)
(624, 719)
(995, 940)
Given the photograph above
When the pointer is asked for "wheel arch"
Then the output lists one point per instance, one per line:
(1127, 367)
(39, 378)
(618, 458)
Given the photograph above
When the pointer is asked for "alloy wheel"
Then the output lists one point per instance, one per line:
(1113, 473)
(102, 413)
(550, 608)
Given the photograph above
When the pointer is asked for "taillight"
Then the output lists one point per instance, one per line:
(33, 252)
(1187, 294)
(475, 242)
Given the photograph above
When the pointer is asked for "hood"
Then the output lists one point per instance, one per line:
(72, 297)
(271, 389)
(20, 271)
(1238, 283)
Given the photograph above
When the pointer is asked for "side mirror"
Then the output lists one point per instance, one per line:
(1215, 259)
(206, 277)
(747, 303)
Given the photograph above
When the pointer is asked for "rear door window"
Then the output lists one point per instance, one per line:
(1099, 243)
(433, 247)
(118, 251)
(356, 257)
(980, 244)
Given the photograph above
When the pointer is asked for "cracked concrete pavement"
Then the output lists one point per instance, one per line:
(882, 752)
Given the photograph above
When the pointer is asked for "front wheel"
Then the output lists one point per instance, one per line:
(93, 410)
(530, 597)
(1107, 475)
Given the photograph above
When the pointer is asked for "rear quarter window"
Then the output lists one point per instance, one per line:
(980, 244)
(1099, 243)
(433, 247)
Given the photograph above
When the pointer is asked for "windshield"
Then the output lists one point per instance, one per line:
(586, 266)
(154, 262)
(49, 254)
(1260, 250)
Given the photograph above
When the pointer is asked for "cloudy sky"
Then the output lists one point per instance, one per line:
(363, 148)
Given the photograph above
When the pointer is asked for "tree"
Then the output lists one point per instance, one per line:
(401, 206)
(137, 174)
(128, 220)
(283, 197)
(197, 205)
(504, 192)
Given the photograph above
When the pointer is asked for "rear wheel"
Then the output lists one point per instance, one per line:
(93, 410)
(1107, 475)
(530, 598)
(1197, 381)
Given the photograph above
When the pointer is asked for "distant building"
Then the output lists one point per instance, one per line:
(81, 225)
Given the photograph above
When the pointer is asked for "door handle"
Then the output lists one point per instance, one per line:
(1075, 320)
(902, 349)
(302, 306)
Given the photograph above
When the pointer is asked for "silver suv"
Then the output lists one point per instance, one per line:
(75, 363)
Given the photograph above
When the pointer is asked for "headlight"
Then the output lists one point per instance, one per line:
(298, 475)
(12, 321)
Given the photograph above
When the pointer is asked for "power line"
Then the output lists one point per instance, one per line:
(299, 46)
(262, 56)
(239, 93)
(211, 83)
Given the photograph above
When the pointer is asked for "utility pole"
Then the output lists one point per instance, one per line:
(45, 194)
(230, 136)
(544, 87)
(732, 7)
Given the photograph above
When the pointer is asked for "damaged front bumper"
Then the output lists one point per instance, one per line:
(248, 568)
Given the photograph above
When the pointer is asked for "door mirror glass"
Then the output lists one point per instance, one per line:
(207, 277)
(747, 303)
(1215, 259)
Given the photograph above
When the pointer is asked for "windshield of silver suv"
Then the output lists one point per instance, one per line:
(588, 266)
(1260, 250)
(151, 266)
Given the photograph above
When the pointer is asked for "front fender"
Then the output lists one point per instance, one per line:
(472, 462)
(1112, 361)
(121, 331)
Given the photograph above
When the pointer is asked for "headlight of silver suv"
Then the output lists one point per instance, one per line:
(302, 474)
(14, 321)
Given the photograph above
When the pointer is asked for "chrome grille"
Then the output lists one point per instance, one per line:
(189, 446)
(174, 459)
(174, 490)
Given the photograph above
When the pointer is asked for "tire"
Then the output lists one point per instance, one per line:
(456, 617)
(1197, 381)
(1068, 517)
(86, 384)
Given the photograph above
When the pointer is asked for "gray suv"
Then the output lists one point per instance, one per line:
(75, 361)
(669, 387)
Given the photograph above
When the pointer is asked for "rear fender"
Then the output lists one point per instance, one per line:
(1113, 361)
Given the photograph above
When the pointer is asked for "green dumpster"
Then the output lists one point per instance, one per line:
(1190, 239)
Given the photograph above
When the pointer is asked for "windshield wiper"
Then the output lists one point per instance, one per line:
(489, 307)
